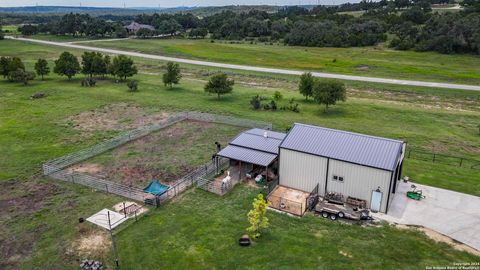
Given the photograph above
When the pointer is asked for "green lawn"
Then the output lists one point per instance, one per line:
(200, 230)
(368, 61)
(34, 131)
(10, 29)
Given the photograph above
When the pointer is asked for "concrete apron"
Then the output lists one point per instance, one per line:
(451, 213)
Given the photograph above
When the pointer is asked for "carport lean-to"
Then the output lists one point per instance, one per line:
(254, 148)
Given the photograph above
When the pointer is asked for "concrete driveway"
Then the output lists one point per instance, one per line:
(451, 213)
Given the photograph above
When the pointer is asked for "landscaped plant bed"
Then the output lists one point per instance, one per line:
(165, 155)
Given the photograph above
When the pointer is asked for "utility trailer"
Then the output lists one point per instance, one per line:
(333, 207)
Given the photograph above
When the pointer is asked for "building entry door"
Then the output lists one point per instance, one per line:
(376, 201)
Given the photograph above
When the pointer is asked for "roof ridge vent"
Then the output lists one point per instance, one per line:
(265, 134)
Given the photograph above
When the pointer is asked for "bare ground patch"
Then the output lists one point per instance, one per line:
(165, 155)
(424, 101)
(89, 243)
(32, 199)
(117, 117)
(20, 199)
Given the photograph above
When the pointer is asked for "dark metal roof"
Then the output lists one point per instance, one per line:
(255, 139)
(351, 147)
(247, 155)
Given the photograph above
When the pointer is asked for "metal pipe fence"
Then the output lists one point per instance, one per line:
(208, 183)
(269, 187)
(57, 168)
(444, 159)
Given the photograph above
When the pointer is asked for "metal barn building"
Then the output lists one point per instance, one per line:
(356, 165)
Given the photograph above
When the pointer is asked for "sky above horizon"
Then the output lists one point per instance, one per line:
(162, 3)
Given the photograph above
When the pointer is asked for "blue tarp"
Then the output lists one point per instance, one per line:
(155, 188)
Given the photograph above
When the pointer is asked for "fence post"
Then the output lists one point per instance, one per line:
(433, 157)
(106, 188)
(461, 161)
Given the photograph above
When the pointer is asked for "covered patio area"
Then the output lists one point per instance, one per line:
(252, 156)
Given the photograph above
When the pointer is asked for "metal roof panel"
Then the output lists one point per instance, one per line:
(247, 155)
(346, 146)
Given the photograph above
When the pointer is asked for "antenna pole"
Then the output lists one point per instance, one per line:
(113, 242)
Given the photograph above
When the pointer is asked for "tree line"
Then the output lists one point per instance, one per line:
(91, 64)
(412, 24)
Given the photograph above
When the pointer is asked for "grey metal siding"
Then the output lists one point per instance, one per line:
(302, 171)
(359, 181)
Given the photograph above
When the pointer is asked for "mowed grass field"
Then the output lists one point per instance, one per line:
(377, 61)
(200, 230)
(34, 131)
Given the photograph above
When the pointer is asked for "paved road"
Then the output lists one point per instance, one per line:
(254, 68)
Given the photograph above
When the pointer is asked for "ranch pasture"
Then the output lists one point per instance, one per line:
(39, 216)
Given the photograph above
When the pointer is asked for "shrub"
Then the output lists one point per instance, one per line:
(292, 106)
(89, 82)
(132, 86)
(277, 96)
(273, 105)
(256, 102)
(20, 75)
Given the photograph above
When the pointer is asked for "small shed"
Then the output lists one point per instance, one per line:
(353, 164)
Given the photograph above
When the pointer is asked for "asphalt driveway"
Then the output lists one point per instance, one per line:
(451, 213)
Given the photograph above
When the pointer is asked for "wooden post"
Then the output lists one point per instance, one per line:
(124, 210)
(461, 161)
(433, 157)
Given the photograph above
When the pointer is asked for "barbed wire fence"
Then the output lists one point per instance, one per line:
(59, 167)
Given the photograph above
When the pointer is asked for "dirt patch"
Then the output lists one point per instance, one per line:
(32, 200)
(115, 117)
(14, 250)
(88, 168)
(165, 155)
(438, 237)
(362, 67)
(425, 101)
(89, 243)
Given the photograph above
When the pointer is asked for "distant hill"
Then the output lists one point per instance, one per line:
(199, 11)
(67, 9)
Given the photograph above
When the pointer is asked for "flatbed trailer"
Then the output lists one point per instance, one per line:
(341, 210)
